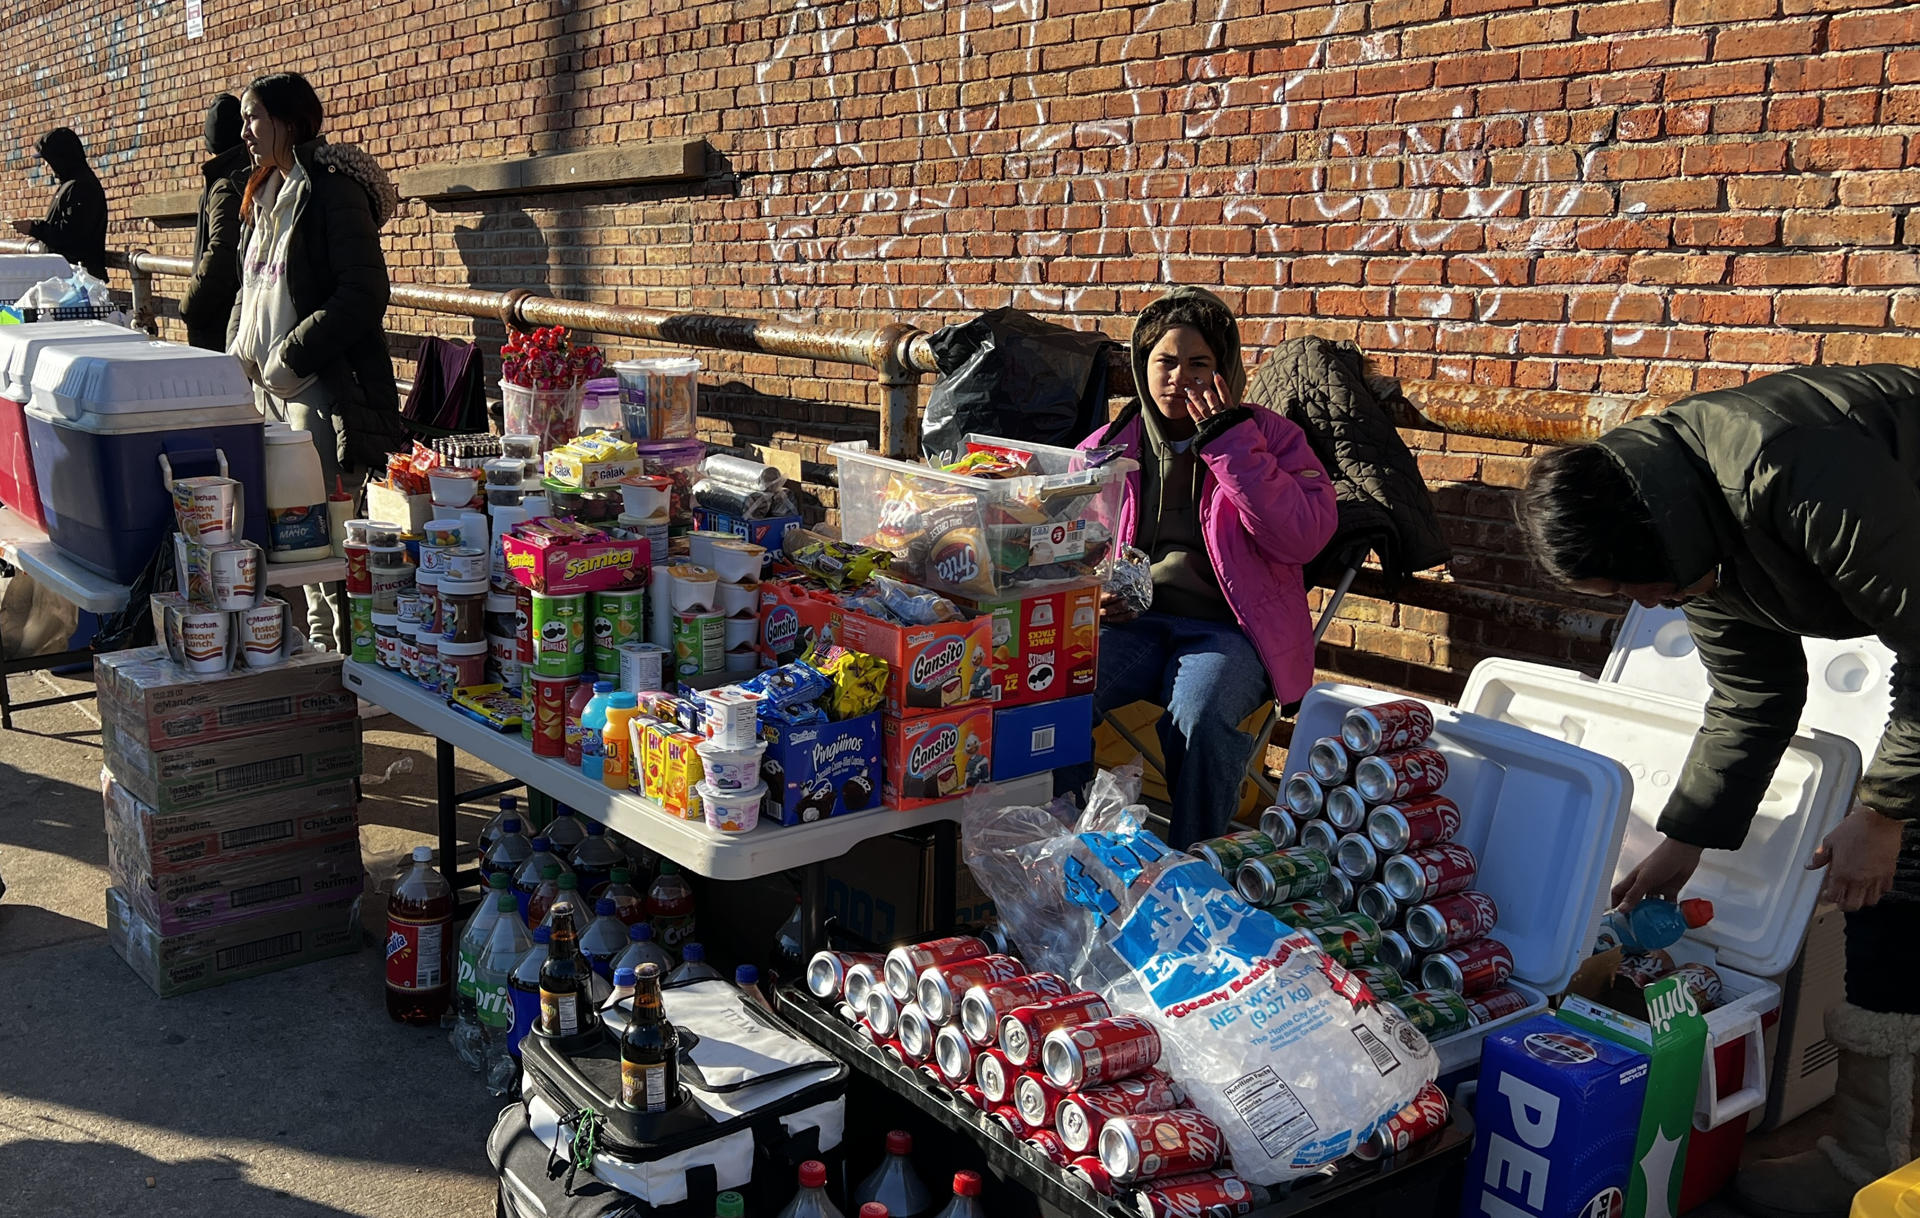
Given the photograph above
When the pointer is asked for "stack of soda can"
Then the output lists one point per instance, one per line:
(1054, 1066)
(1360, 854)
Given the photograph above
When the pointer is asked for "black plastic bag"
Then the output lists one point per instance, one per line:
(1007, 373)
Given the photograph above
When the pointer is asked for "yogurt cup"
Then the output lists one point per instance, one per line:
(730, 770)
(740, 600)
(646, 495)
(694, 587)
(737, 561)
(742, 632)
(732, 811)
(732, 717)
(700, 544)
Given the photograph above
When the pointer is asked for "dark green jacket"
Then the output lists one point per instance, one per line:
(206, 303)
(338, 277)
(1803, 489)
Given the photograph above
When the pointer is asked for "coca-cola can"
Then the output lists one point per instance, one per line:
(1643, 970)
(846, 1012)
(1436, 871)
(1356, 856)
(1090, 1169)
(1279, 825)
(1225, 854)
(1396, 953)
(1303, 795)
(1318, 835)
(983, 1006)
(863, 1029)
(1407, 774)
(1099, 1052)
(1419, 1120)
(1338, 891)
(1209, 1194)
(1471, 968)
(1449, 921)
(891, 1047)
(940, 988)
(932, 1074)
(914, 1030)
(1023, 1029)
(1008, 1118)
(972, 1095)
(1034, 1098)
(1328, 761)
(1377, 903)
(827, 971)
(994, 1075)
(1143, 1145)
(905, 964)
(1388, 727)
(953, 1053)
(1081, 1114)
(883, 1012)
(1282, 875)
(862, 980)
(1497, 1003)
(1385, 983)
(1346, 809)
(1048, 1143)
(1419, 822)
(1305, 911)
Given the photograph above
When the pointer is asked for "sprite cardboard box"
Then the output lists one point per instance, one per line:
(1674, 1035)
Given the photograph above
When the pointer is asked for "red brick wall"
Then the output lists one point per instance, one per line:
(1640, 195)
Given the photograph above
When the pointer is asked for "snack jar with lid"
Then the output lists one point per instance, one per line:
(463, 612)
(427, 669)
(463, 664)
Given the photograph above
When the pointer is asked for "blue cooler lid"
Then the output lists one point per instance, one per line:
(21, 346)
(118, 379)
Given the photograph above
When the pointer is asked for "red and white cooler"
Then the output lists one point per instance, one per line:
(20, 348)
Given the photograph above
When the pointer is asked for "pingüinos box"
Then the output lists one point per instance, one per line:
(820, 770)
(1557, 1111)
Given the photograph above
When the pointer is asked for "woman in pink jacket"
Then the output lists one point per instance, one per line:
(1228, 503)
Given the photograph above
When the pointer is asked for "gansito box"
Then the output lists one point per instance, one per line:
(1045, 736)
(937, 756)
(222, 771)
(822, 769)
(149, 698)
(938, 667)
(793, 617)
(214, 955)
(1045, 644)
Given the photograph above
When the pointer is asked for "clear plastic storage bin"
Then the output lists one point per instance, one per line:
(975, 535)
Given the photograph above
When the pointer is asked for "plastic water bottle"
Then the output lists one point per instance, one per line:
(789, 956)
(641, 949)
(507, 945)
(628, 905)
(594, 859)
(593, 724)
(527, 876)
(1653, 924)
(811, 1201)
(565, 831)
(966, 1197)
(509, 807)
(465, 1036)
(747, 978)
(894, 1183)
(623, 985)
(670, 907)
(508, 851)
(604, 938)
(543, 896)
(524, 987)
(693, 966)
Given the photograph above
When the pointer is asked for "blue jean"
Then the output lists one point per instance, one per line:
(1208, 677)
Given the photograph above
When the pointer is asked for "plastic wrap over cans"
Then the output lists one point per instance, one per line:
(1267, 1034)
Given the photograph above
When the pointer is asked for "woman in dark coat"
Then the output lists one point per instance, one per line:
(206, 303)
(76, 223)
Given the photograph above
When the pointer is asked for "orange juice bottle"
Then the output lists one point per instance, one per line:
(616, 767)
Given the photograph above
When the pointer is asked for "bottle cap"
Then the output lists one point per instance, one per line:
(813, 1174)
(623, 976)
(595, 828)
(692, 953)
(873, 1209)
(568, 880)
(541, 843)
(505, 903)
(966, 1184)
(510, 825)
(423, 854)
(549, 871)
(1698, 911)
(641, 933)
(648, 969)
(729, 1205)
(899, 1142)
(746, 975)
(619, 875)
(625, 700)
(543, 934)
(603, 687)
(499, 879)
(603, 907)
(509, 803)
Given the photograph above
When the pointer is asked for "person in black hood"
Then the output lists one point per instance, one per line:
(76, 223)
(206, 303)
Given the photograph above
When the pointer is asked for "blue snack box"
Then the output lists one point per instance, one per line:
(768, 532)
(1557, 1113)
(821, 769)
(1043, 736)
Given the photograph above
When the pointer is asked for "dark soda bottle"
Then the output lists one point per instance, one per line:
(649, 1065)
(628, 905)
(670, 908)
(420, 944)
(566, 1001)
(565, 831)
(594, 859)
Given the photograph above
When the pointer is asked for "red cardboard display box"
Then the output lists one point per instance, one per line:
(792, 618)
(935, 667)
(553, 568)
(1046, 645)
(934, 757)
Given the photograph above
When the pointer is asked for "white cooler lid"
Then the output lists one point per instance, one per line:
(117, 378)
(1762, 893)
(20, 348)
(18, 272)
(1543, 817)
(149, 420)
(1849, 690)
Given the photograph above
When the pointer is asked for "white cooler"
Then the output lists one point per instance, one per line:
(18, 272)
(20, 347)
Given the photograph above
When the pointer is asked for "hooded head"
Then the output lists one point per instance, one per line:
(1203, 314)
(63, 152)
(223, 124)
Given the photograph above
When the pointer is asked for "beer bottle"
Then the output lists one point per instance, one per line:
(649, 1066)
(566, 1002)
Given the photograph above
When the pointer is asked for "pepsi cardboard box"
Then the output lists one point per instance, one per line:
(822, 769)
(1557, 1112)
(1045, 736)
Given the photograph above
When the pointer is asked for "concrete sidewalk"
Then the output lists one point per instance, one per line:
(289, 1094)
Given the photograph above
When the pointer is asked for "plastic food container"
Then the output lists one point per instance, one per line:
(452, 488)
(463, 664)
(737, 561)
(742, 632)
(977, 536)
(732, 811)
(551, 416)
(694, 588)
(659, 398)
(463, 611)
(444, 533)
(729, 769)
(645, 496)
(678, 461)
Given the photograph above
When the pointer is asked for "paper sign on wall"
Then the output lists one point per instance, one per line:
(196, 19)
